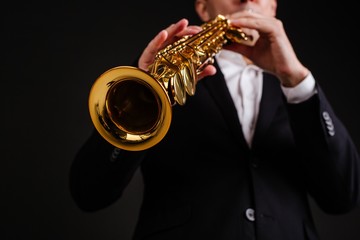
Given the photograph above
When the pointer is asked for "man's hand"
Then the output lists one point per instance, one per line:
(167, 36)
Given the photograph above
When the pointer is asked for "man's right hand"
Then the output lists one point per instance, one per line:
(167, 36)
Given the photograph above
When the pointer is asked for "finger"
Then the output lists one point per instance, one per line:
(149, 53)
(207, 71)
(174, 29)
(248, 12)
(256, 21)
(180, 29)
(162, 39)
(190, 30)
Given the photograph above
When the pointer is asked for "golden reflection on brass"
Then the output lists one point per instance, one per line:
(132, 108)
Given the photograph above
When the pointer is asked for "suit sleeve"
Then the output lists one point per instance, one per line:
(99, 173)
(330, 158)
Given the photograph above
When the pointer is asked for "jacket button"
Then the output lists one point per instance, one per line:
(329, 124)
(254, 164)
(326, 115)
(250, 214)
(115, 155)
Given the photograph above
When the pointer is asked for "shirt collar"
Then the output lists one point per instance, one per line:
(232, 57)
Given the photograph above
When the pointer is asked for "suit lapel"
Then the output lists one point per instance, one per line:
(217, 88)
(270, 100)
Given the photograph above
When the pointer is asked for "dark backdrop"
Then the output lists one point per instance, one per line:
(53, 52)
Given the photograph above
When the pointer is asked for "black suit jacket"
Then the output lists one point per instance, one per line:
(202, 179)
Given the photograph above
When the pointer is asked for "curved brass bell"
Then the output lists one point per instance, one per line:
(132, 108)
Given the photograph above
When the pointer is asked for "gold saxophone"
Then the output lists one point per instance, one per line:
(132, 108)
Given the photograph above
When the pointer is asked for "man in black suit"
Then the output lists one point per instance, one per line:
(243, 154)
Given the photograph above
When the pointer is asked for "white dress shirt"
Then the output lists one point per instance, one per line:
(245, 84)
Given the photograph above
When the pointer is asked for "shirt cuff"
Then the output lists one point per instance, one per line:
(301, 92)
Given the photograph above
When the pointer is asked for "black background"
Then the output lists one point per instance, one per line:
(53, 52)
